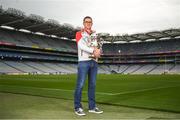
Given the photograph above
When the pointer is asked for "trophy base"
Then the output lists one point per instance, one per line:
(94, 58)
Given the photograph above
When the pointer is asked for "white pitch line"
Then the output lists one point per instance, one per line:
(142, 90)
(101, 93)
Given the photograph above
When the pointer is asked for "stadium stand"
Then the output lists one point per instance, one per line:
(23, 51)
(143, 47)
(32, 40)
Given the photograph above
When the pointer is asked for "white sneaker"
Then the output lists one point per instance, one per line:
(80, 112)
(96, 110)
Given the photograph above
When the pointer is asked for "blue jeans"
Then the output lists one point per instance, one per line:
(86, 68)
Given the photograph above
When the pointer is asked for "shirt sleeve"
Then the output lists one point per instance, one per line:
(82, 44)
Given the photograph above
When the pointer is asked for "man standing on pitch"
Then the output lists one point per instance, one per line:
(87, 65)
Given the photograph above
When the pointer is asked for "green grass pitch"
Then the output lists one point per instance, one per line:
(157, 92)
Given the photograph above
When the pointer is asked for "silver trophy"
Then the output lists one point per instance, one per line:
(96, 41)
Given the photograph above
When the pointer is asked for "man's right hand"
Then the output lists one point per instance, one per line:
(96, 52)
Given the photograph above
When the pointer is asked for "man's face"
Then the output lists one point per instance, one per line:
(87, 23)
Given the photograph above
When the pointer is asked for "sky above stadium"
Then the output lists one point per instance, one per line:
(110, 16)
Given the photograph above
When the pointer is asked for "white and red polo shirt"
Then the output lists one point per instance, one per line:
(84, 43)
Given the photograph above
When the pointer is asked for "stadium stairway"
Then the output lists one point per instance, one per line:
(132, 72)
(173, 66)
(152, 69)
(39, 70)
(6, 69)
(122, 72)
(10, 65)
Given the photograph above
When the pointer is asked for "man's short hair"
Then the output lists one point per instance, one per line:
(86, 18)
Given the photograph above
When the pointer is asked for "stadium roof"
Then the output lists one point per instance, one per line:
(156, 35)
(35, 23)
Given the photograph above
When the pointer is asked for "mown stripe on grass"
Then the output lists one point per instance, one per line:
(143, 90)
(100, 93)
(52, 89)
